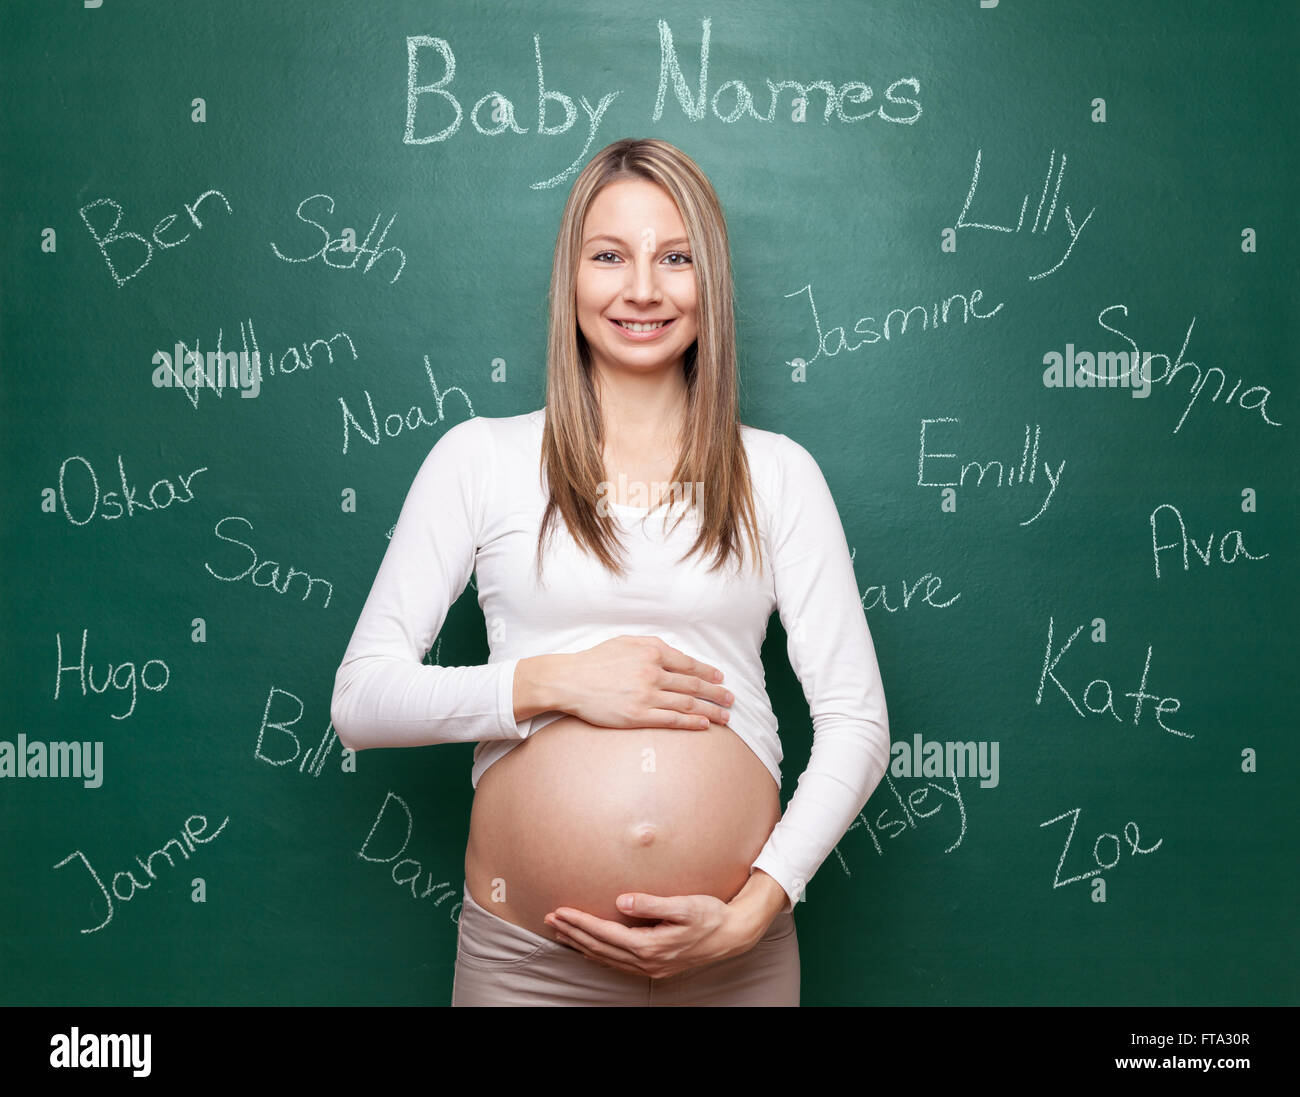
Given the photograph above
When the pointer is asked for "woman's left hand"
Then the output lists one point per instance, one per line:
(692, 929)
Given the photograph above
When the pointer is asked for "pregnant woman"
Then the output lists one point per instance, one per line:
(631, 540)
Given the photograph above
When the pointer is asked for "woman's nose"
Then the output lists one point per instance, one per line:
(642, 284)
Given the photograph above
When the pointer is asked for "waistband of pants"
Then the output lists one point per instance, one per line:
(501, 924)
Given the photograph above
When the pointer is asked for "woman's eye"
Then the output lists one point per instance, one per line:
(607, 256)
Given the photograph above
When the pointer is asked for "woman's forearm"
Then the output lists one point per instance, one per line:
(387, 701)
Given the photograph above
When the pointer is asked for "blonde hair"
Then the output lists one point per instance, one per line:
(712, 447)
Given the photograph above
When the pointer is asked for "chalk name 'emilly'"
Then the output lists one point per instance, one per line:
(84, 761)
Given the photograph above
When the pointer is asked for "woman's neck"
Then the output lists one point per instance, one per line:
(643, 414)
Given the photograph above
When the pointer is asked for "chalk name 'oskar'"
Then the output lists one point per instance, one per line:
(78, 1049)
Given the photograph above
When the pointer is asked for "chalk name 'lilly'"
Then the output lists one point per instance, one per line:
(1072, 230)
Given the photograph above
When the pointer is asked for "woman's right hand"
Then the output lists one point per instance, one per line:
(640, 681)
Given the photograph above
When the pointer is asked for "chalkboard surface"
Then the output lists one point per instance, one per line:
(950, 223)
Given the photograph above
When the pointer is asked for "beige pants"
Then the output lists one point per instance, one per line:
(501, 964)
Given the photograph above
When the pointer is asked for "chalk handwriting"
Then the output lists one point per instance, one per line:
(833, 340)
(426, 55)
(502, 109)
(376, 251)
(255, 568)
(86, 502)
(1106, 694)
(395, 423)
(407, 871)
(133, 240)
(1022, 473)
(912, 809)
(286, 739)
(293, 360)
(1170, 370)
(86, 672)
(878, 595)
(1105, 842)
(1232, 541)
(190, 837)
(741, 100)
(1074, 230)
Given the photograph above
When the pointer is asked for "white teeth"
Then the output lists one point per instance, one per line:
(642, 327)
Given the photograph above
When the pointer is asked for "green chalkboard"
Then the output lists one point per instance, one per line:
(936, 212)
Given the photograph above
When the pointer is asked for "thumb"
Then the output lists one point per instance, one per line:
(665, 908)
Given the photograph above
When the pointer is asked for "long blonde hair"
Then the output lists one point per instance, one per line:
(712, 448)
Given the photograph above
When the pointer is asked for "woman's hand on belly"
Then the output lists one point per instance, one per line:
(692, 929)
(638, 682)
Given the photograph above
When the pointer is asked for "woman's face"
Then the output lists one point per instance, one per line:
(635, 266)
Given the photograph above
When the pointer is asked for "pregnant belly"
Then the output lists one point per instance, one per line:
(578, 814)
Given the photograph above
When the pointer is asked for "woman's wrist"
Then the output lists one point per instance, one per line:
(537, 685)
(757, 903)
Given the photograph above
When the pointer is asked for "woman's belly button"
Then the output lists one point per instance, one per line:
(580, 815)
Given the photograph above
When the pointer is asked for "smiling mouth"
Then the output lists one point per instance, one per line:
(641, 327)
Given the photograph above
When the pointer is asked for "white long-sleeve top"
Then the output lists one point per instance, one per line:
(476, 506)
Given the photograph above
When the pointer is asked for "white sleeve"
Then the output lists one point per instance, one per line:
(384, 694)
(831, 651)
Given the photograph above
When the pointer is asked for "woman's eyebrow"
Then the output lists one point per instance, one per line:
(618, 240)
